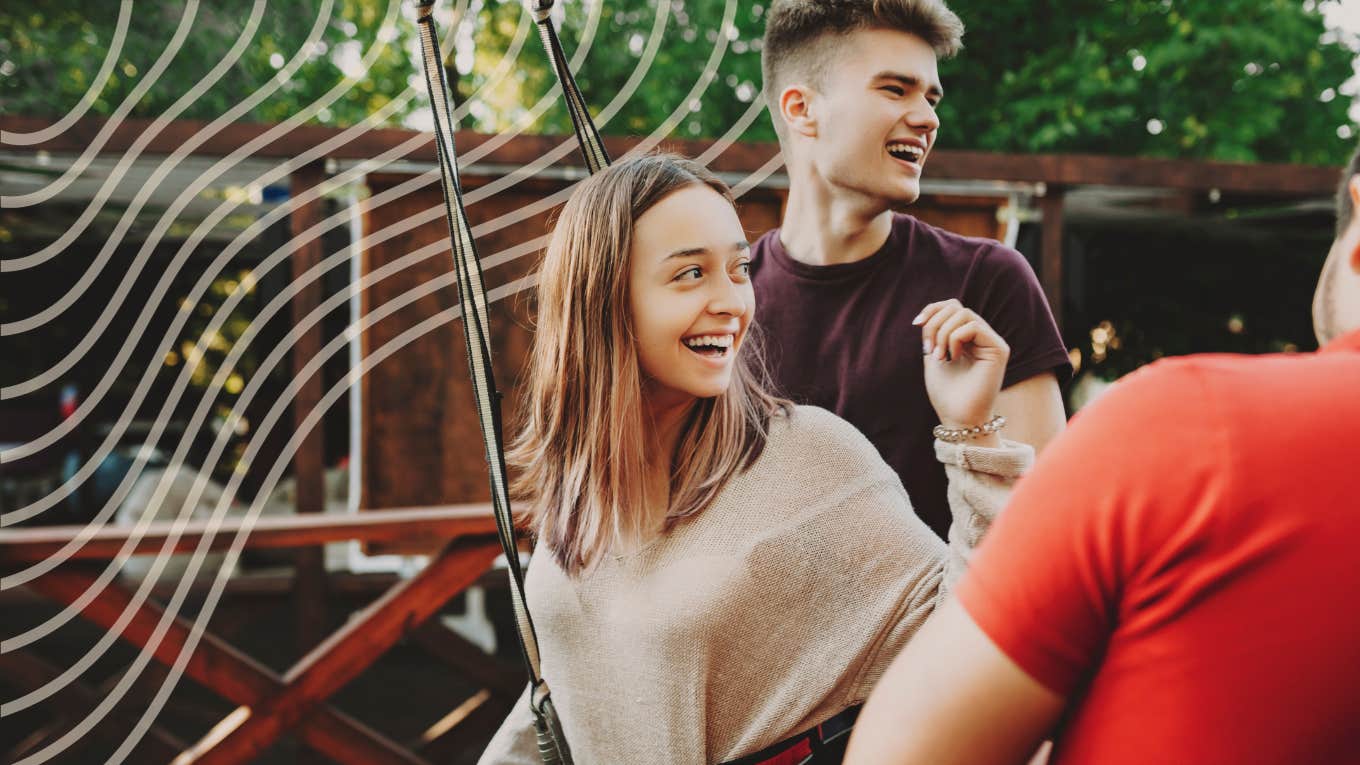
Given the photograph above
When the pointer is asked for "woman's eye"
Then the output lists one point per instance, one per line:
(744, 268)
(690, 274)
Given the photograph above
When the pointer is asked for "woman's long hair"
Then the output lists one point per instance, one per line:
(581, 452)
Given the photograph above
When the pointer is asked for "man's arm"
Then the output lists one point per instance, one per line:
(981, 708)
(1033, 409)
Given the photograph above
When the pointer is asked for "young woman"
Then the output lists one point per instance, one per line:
(716, 570)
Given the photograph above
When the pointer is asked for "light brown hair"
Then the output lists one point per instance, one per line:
(801, 36)
(580, 454)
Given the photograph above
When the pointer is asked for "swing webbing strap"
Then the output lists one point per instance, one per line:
(476, 328)
(592, 148)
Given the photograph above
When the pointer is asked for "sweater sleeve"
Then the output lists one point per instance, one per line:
(980, 483)
(515, 742)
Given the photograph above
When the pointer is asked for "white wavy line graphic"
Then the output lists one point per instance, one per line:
(168, 164)
(101, 79)
(116, 119)
(228, 366)
(181, 201)
(88, 468)
(200, 232)
(223, 312)
(532, 247)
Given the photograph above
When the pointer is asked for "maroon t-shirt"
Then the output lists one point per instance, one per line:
(840, 336)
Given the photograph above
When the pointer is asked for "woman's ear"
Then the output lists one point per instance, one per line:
(795, 108)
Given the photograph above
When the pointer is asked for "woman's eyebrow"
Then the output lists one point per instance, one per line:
(690, 252)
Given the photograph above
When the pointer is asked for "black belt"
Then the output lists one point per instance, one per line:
(819, 745)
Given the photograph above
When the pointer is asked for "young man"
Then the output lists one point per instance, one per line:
(1174, 582)
(852, 87)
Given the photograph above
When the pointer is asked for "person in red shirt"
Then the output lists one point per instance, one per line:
(1176, 580)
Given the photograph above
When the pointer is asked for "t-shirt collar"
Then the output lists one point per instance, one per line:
(892, 247)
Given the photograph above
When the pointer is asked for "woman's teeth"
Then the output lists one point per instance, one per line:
(709, 345)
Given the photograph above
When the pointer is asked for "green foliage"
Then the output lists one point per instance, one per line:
(55, 51)
(689, 33)
(1231, 80)
(1236, 80)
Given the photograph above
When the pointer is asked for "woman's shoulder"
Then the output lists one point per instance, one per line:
(818, 439)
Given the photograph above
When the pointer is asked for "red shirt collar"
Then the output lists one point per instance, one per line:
(1347, 342)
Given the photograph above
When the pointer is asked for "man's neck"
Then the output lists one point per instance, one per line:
(824, 227)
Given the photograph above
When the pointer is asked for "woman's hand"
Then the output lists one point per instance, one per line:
(965, 362)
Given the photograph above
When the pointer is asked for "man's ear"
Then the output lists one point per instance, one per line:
(795, 108)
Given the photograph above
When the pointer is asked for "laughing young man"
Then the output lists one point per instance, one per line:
(852, 87)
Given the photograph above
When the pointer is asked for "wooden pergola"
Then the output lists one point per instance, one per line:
(271, 704)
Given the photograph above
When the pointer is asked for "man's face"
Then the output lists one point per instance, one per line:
(875, 115)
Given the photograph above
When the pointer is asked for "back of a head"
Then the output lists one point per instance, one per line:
(1336, 304)
(1345, 207)
(801, 36)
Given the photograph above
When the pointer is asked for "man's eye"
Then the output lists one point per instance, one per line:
(744, 268)
(893, 89)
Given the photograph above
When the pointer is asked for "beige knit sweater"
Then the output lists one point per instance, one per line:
(776, 607)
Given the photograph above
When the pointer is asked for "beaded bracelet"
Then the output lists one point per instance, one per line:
(956, 435)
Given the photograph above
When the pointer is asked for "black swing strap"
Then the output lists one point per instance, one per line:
(472, 295)
(592, 148)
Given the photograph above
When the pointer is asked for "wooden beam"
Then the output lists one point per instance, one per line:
(504, 679)
(75, 702)
(309, 461)
(468, 726)
(1060, 169)
(406, 524)
(220, 667)
(252, 729)
(1051, 263)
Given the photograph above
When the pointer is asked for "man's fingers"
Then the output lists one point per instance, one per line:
(936, 314)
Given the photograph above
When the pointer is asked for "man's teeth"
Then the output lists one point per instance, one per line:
(701, 341)
(906, 151)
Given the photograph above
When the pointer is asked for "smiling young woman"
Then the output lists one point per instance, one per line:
(630, 427)
(716, 570)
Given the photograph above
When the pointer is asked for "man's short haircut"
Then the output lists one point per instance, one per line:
(801, 35)
(1345, 209)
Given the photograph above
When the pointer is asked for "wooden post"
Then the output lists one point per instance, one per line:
(222, 668)
(1051, 270)
(309, 462)
(247, 732)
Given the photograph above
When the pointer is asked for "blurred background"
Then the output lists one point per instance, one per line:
(226, 284)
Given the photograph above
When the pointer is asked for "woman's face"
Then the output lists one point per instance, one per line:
(691, 294)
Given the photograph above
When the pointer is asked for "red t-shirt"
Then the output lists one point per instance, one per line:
(1184, 565)
(840, 337)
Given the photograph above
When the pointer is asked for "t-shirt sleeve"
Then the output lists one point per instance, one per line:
(1079, 542)
(1004, 290)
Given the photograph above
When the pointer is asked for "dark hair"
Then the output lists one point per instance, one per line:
(1345, 209)
(797, 33)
